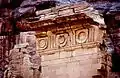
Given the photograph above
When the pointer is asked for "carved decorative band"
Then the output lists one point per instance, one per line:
(65, 39)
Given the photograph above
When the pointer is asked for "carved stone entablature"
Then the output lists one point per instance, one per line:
(63, 39)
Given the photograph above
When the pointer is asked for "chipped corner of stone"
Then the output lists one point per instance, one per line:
(22, 45)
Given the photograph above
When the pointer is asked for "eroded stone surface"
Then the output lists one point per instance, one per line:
(25, 62)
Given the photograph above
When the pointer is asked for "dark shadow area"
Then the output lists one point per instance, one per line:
(115, 62)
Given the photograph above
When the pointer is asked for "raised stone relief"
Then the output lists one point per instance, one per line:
(66, 38)
(43, 43)
(61, 40)
(81, 36)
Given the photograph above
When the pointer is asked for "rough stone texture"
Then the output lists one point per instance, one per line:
(73, 54)
(24, 61)
(64, 13)
(68, 51)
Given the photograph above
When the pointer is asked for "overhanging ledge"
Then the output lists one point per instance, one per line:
(80, 18)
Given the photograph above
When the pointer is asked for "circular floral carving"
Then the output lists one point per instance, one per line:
(43, 43)
(81, 36)
(61, 40)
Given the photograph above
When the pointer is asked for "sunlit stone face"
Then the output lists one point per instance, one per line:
(69, 53)
(61, 39)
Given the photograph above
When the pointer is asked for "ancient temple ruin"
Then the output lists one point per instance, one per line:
(62, 41)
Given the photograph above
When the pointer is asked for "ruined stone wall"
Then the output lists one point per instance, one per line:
(70, 53)
(24, 61)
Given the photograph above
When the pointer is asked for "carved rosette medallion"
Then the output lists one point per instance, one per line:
(43, 43)
(61, 40)
(81, 36)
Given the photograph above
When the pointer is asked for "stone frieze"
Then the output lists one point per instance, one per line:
(66, 38)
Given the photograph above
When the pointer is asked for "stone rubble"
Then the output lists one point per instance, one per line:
(25, 62)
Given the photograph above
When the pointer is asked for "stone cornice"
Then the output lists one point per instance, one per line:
(61, 15)
(71, 20)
